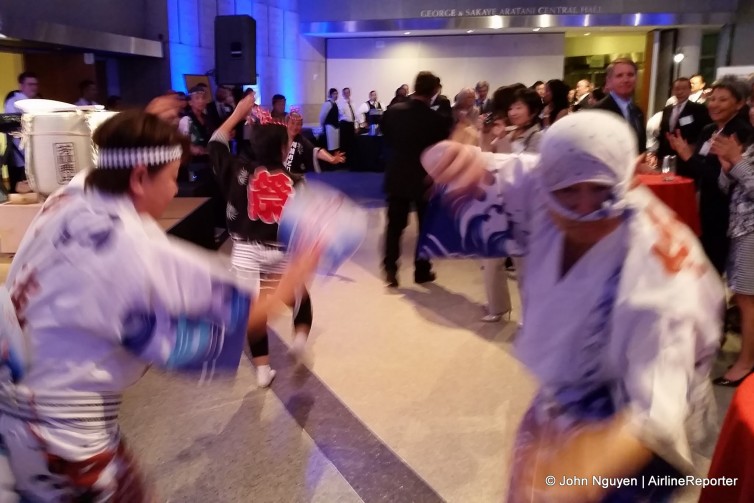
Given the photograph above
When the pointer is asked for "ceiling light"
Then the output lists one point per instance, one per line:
(679, 57)
(587, 34)
(407, 33)
(536, 29)
(469, 31)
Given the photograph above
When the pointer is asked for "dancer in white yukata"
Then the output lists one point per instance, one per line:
(622, 308)
(95, 295)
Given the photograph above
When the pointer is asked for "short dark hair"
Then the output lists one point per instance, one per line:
(277, 97)
(682, 79)
(130, 129)
(346, 88)
(537, 83)
(84, 84)
(734, 85)
(698, 75)
(531, 99)
(426, 84)
(26, 75)
(502, 99)
(620, 61)
(267, 143)
(199, 88)
(332, 90)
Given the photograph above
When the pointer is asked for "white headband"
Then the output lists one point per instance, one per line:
(127, 158)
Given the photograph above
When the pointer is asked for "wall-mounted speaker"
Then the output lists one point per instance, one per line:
(235, 50)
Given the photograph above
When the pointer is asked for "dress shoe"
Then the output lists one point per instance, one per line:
(426, 277)
(722, 381)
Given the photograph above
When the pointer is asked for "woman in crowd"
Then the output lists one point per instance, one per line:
(737, 180)
(622, 310)
(95, 295)
(256, 192)
(724, 102)
(556, 102)
(521, 134)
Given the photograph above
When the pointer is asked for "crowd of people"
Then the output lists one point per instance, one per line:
(622, 304)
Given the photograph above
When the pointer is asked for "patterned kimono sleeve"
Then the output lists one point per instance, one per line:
(661, 359)
(664, 336)
(223, 163)
(495, 224)
(194, 317)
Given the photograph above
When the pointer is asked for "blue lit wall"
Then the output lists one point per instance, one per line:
(286, 61)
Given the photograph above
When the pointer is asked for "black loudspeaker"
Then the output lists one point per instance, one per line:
(235, 50)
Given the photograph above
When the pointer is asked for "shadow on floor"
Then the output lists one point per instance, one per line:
(441, 306)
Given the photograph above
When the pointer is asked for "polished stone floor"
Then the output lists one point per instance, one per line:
(410, 397)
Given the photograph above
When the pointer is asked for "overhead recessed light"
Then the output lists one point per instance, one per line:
(536, 29)
(469, 31)
(407, 33)
(587, 34)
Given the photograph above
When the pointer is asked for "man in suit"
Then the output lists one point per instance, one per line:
(441, 104)
(583, 88)
(698, 87)
(409, 128)
(685, 116)
(220, 109)
(621, 81)
(483, 102)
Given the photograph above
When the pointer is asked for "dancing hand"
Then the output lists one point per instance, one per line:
(166, 107)
(461, 167)
(338, 158)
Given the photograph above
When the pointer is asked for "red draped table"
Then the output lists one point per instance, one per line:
(679, 194)
(734, 453)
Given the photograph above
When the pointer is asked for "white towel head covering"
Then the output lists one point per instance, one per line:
(589, 146)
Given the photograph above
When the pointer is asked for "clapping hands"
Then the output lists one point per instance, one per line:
(728, 150)
(681, 146)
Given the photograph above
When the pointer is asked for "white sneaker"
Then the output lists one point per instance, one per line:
(265, 377)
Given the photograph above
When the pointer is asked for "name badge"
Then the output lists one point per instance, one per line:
(705, 148)
(685, 121)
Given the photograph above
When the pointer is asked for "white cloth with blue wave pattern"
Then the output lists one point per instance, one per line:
(101, 293)
(639, 314)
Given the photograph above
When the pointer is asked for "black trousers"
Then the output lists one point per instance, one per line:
(302, 316)
(15, 174)
(347, 143)
(397, 218)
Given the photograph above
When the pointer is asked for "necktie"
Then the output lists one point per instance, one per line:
(353, 117)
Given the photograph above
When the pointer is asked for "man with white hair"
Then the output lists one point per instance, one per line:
(464, 110)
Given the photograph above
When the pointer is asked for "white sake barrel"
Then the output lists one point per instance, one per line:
(58, 142)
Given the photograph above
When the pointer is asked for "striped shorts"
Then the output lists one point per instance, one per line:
(741, 265)
(258, 262)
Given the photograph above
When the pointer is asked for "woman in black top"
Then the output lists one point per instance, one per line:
(724, 103)
(256, 193)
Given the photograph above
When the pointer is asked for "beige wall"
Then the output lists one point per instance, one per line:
(604, 44)
(12, 64)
